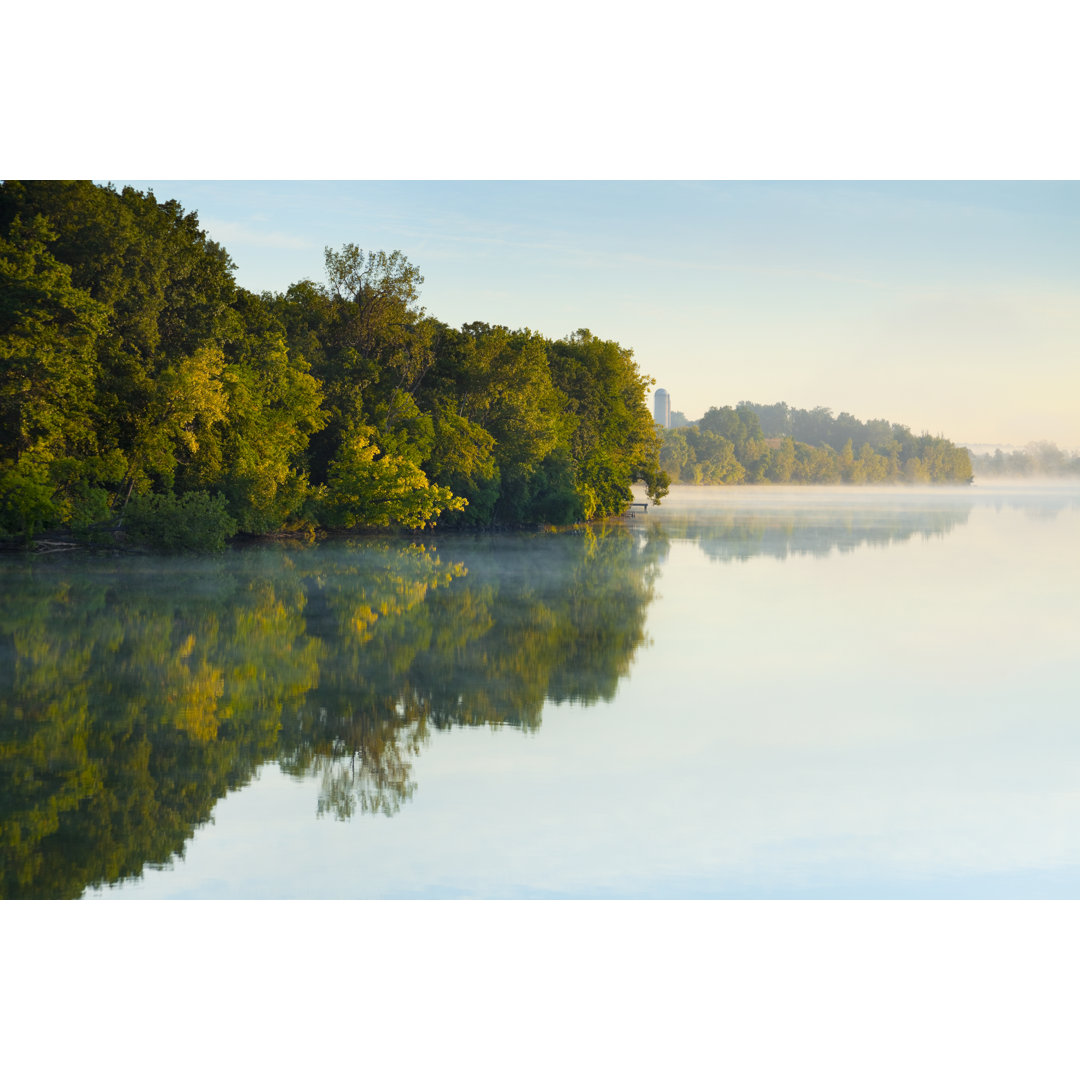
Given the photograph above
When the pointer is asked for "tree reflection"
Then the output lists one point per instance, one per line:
(554, 621)
(130, 702)
(780, 532)
(134, 695)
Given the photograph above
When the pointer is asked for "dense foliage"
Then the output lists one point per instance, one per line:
(137, 378)
(754, 444)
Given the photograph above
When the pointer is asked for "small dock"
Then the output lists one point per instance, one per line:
(633, 508)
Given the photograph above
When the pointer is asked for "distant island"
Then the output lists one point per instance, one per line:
(760, 444)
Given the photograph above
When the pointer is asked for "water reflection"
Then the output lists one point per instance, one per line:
(730, 535)
(134, 694)
(134, 697)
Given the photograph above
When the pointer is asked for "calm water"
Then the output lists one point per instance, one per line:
(743, 693)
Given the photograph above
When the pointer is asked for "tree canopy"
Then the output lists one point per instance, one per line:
(137, 374)
(146, 398)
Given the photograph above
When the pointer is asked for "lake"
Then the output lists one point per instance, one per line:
(746, 692)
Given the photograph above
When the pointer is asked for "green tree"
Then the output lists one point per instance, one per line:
(274, 406)
(49, 331)
(782, 462)
(499, 382)
(463, 460)
(675, 454)
(146, 381)
(48, 335)
(370, 489)
(615, 441)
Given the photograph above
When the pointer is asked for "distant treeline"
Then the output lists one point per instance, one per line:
(758, 444)
(1036, 459)
(145, 397)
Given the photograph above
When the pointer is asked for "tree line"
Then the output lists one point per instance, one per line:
(145, 395)
(756, 444)
(1036, 459)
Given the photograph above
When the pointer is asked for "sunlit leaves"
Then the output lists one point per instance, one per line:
(370, 489)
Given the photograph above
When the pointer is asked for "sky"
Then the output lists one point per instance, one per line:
(948, 306)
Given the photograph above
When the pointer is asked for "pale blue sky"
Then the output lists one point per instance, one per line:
(949, 306)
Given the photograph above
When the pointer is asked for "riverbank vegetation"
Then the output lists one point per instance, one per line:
(755, 444)
(147, 399)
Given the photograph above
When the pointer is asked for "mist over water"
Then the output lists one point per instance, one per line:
(746, 692)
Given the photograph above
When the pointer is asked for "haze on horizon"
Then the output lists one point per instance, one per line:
(950, 307)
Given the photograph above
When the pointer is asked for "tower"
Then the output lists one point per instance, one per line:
(662, 408)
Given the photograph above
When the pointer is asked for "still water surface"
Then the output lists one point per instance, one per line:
(755, 692)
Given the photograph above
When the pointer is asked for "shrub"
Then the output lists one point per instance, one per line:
(26, 500)
(195, 521)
